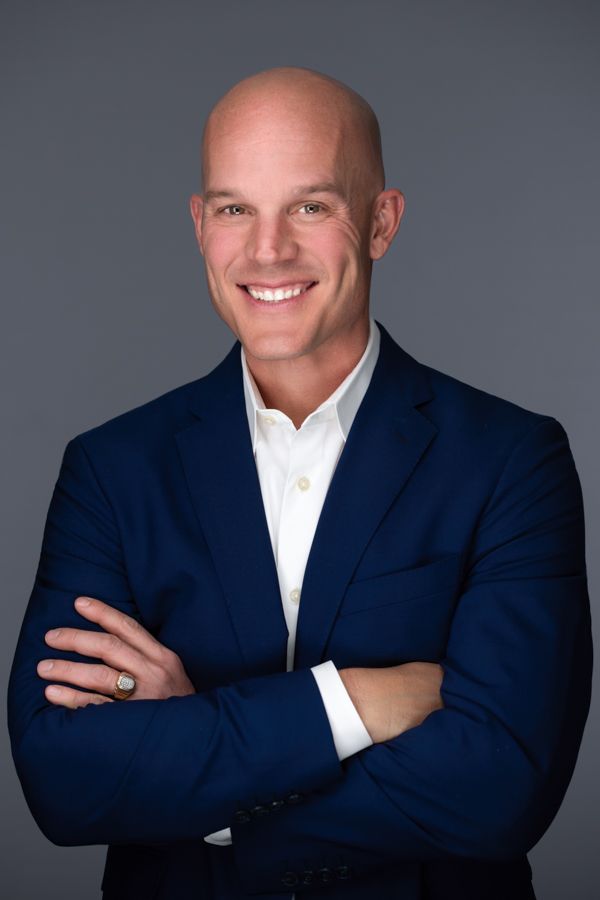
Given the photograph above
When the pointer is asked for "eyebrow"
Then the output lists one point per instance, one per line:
(322, 187)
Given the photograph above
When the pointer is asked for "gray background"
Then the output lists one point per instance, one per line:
(490, 127)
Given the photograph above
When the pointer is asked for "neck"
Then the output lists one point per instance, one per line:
(298, 386)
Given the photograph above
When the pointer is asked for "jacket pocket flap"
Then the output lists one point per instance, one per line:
(440, 576)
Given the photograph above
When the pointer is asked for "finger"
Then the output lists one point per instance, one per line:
(119, 623)
(87, 675)
(64, 696)
(107, 647)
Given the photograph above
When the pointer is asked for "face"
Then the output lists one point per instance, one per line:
(287, 234)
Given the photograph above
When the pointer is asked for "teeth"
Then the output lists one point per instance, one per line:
(277, 294)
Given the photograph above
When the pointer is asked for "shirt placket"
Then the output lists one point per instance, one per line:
(298, 520)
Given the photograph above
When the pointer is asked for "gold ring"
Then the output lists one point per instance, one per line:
(124, 687)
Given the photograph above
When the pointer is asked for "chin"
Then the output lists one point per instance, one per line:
(274, 348)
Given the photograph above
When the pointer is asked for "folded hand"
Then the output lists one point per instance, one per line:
(126, 647)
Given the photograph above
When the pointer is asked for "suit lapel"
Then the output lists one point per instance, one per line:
(386, 441)
(216, 454)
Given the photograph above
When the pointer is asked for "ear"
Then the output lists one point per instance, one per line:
(196, 207)
(387, 212)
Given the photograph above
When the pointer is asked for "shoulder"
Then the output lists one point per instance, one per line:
(152, 425)
(462, 404)
(133, 447)
(456, 407)
(148, 422)
(478, 429)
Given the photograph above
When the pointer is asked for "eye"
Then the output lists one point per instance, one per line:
(233, 210)
(312, 208)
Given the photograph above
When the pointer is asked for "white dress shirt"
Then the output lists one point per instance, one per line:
(295, 468)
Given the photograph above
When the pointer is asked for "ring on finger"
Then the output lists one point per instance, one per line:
(124, 687)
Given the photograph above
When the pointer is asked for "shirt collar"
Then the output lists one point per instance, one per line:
(343, 403)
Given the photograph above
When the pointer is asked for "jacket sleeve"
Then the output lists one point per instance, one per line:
(146, 770)
(484, 776)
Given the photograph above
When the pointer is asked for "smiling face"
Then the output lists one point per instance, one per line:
(287, 223)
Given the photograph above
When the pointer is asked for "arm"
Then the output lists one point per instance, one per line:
(146, 770)
(484, 776)
(391, 701)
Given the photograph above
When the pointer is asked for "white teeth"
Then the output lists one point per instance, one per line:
(277, 294)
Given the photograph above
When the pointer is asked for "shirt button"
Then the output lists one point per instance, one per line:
(295, 595)
(269, 420)
(303, 483)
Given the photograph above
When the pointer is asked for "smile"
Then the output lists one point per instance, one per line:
(272, 294)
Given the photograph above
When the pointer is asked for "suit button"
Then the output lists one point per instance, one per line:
(343, 872)
(307, 876)
(326, 875)
(290, 879)
(274, 805)
(241, 816)
(294, 798)
(258, 811)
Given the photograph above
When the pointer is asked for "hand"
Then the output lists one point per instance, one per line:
(127, 647)
(391, 700)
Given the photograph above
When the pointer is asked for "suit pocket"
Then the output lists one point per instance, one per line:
(397, 617)
(442, 576)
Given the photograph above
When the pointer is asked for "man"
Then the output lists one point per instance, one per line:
(282, 560)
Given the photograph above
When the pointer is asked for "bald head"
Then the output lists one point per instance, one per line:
(292, 215)
(302, 99)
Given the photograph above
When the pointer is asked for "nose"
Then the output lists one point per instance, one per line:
(271, 241)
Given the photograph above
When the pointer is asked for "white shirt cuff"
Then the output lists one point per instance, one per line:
(220, 838)
(347, 727)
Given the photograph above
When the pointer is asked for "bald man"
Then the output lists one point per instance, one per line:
(316, 623)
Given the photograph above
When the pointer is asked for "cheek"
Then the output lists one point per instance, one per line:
(339, 247)
(339, 239)
(221, 249)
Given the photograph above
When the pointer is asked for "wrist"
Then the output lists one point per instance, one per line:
(351, 680)
(347, 676)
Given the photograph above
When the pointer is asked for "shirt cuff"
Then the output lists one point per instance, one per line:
(220, 838)
(347, 727)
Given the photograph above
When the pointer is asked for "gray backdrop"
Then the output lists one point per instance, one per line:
(489, 119)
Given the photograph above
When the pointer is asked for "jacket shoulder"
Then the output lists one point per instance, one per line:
(457, 408)
(458, 405)
(145, 426)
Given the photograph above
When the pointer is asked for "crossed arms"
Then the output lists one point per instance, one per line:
(481, 777)
(392, 699)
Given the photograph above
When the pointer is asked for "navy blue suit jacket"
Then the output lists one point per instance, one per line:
(452, 532)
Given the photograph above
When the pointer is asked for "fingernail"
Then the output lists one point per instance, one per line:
(53, 691)
(46, 665)
(81, 602)
(53, 634)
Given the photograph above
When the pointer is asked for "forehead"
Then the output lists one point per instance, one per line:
(272, 145)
